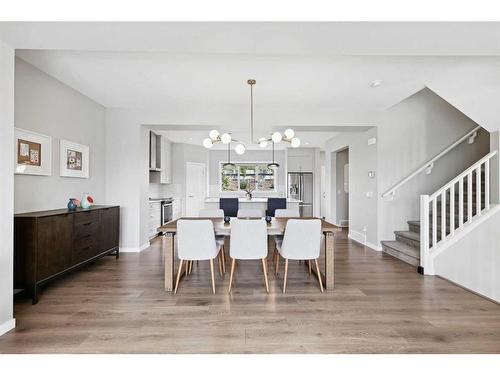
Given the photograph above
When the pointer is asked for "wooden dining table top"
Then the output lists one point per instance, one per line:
(276, 226)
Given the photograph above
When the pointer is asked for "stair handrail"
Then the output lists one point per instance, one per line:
(473, 177)
(430, 163)
(462, 175)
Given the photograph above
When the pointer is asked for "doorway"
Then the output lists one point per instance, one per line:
(195, 188)
(340, 187)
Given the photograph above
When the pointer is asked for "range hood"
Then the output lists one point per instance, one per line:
(154, 152)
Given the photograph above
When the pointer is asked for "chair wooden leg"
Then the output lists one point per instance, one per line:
(223, 259)
(309, 264)
(178, 277)
(219, 260)
(233, 263)
(277, 265)
(190, 266)
(187, 268)
(319, 276)
(212, 274)
(286, 275)
(264, 268)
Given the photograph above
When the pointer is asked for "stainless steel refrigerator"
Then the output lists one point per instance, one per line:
(300, 186)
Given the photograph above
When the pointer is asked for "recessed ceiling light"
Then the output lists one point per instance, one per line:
(307, 143)
(376, 83)
(190, 138)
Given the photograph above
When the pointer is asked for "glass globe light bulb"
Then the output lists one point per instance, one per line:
(240, 149)
(276, 137)
(214, 134)
(207, 142)
(289, 133)
(295, 142)
(225, 138)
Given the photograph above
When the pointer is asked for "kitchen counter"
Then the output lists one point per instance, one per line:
(253, 200)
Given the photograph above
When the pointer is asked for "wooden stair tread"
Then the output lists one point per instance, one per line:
(403, 248)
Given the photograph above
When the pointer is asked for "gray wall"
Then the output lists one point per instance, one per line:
(362, 189)
(6, 186)
(342, 158)
(264, 156)
(411, 133)
(47, 106)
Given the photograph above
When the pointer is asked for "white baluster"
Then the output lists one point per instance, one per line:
(461, 202)
(487, 185)
(452, 210)
(434, 221)
(478, 191)
(424, 229)
(443, 215)
(469, 197)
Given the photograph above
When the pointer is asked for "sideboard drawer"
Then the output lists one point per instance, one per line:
(86, 216)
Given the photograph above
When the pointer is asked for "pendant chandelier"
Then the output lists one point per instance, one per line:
(215, 137)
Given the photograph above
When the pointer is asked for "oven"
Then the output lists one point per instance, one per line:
(166, 211)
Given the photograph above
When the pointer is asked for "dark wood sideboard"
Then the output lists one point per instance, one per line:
(48, 244)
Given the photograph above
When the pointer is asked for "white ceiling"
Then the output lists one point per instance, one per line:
(197, 72)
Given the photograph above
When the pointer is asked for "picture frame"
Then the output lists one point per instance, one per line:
(74, 159)
(32, 153)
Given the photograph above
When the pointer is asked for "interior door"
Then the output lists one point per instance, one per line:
(195, 188)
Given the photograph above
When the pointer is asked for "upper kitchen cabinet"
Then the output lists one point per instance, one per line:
(154, 152)
(166, 161)
(160, 157)
(300, 160)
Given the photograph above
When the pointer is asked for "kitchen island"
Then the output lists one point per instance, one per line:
(254, 203)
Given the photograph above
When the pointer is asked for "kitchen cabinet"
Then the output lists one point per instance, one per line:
(176, 209)
(154, 219)
(166, 161)
(300, 160)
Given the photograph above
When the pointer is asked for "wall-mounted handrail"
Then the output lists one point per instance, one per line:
(430, 163)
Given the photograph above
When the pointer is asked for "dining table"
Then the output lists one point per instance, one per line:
(275, 227)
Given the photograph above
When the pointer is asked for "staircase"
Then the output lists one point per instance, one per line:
(460, 199)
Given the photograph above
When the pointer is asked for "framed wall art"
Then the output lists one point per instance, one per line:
(74, 159)
(33, 153)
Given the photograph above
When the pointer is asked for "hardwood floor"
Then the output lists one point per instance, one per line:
(379, 305)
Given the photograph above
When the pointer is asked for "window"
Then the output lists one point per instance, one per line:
(257, 176)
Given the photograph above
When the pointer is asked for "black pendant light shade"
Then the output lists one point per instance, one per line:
(228, 164)
(273, 165)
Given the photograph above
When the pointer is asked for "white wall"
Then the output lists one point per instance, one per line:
(181, 154)
(362, 208)
(411, 133)
(6, 186)
(474, 260)
(216, 157)
(45, 105)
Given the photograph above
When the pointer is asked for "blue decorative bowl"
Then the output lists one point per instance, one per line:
(227, 219)
(268, 219)
(71, 204)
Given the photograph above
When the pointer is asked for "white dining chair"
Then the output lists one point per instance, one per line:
(196, 241)
(283, 212)
(286, 212)
(302, 241)
(248, 241)
(216, 213)
(250, 212)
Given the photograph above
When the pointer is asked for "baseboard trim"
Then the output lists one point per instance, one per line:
(373, 246)
(364, 243)
(7, 326)
(134, 249)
